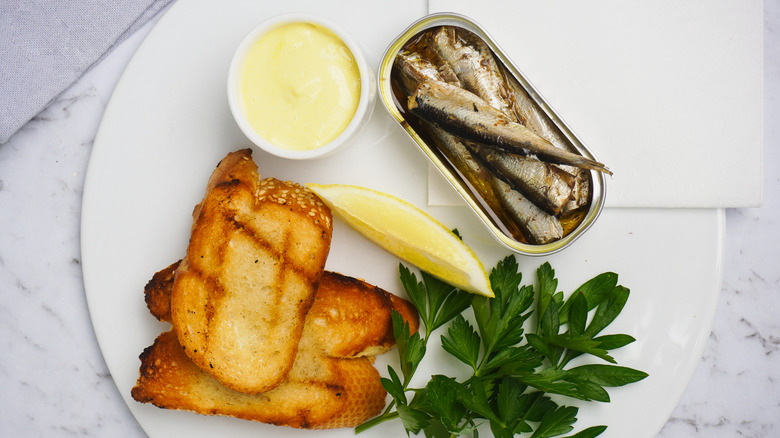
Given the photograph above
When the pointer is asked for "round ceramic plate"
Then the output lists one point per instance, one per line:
(168, 124)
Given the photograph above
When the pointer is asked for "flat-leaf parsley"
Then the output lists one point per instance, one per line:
(513, 373)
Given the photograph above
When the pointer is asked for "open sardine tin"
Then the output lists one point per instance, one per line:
(386, 94)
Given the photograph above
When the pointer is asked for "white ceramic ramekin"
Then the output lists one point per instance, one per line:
(362, 114)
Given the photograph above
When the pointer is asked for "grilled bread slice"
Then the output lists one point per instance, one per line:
(352, 318)
(256, 254)
(349, 317)
(320, 392)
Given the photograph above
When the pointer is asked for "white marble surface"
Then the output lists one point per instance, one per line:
(54, 379)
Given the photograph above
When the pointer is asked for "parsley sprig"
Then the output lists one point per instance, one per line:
(513, 373)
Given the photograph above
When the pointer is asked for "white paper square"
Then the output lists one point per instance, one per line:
(667, 93)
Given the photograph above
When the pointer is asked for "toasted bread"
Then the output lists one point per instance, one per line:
(256, 254)
(325, 387)
(349, 317)
(319, 392)
(329, 380)
(352, 318)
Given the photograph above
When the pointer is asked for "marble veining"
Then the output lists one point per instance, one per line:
(56, 383)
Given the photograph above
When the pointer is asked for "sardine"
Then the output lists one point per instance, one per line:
(580, 192)
(537, 226)
(465, 114)
(544, 185)
(474, 64)
(413, 70)
(472, 170)
(476, 174)
(528, 113)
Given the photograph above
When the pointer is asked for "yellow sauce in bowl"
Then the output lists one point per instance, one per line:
(300, 86)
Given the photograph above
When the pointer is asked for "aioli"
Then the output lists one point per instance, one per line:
(300, 86)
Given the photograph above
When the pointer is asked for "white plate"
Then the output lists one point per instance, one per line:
(168, 125)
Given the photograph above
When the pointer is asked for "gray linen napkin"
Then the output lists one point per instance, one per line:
(46, 45)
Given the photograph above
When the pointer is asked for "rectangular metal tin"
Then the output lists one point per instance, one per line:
(598, 185)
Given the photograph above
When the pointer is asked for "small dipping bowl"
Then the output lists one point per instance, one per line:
(236, 91)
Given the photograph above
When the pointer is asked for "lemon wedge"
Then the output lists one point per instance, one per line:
(407, 232)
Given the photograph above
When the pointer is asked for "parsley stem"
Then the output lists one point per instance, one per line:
(386, 416)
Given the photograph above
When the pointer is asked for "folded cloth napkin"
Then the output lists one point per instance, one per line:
(46, 45)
